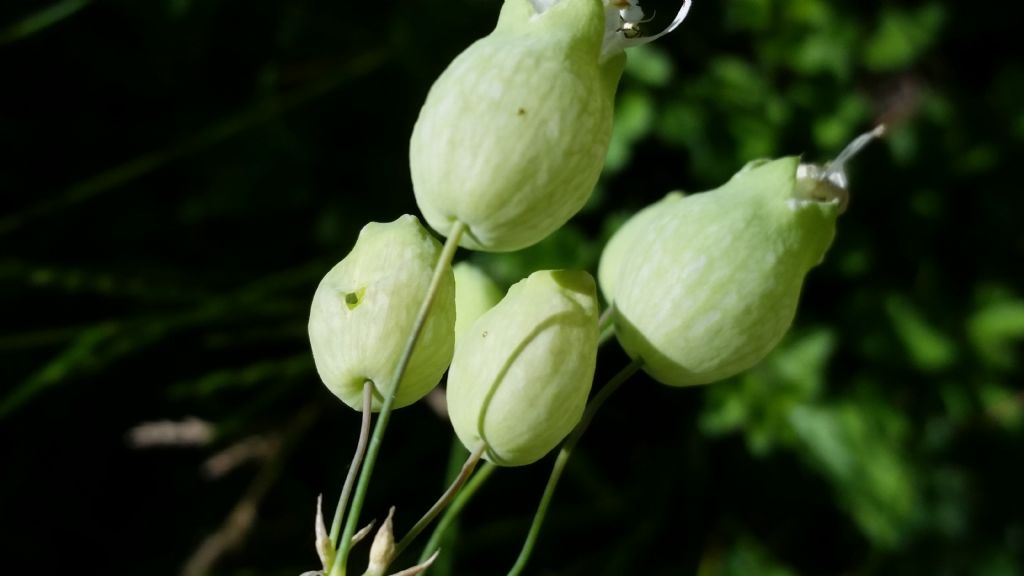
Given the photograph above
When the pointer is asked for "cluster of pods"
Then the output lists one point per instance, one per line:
(508, 146)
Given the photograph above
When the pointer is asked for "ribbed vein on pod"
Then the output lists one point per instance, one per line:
(541, 6)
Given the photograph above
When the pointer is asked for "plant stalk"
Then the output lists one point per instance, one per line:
(443, 263)
(357, 461)
(563, 458)
(443, 502)
(453, 511)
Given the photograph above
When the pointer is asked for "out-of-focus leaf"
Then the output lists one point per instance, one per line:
(756, 135)
(995, 329)
(855, 444)
(901, 36)
(649, 64)
(749, 14)
(760, 402)
(682, 124)
(291, 368)
(814, 13)
(825, 51)
(737, 82)
(928, 348)
(948, 511)
(903, 144)
(634, 116)
(91, 350)
(864, 463)
(978, 159)
(41, 20)
(957, 401)
(73, 281)
(1004, 405)
(855, 262)
(744, 558)
(834, 131)
(998, 562)
(927, 204)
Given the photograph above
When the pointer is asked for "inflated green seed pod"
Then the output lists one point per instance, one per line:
(620, 246)
(520, 378)
(475, 293)
(365, 307)
(513, 135)
(705, 286)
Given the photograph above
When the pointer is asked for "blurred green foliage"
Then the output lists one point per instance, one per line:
(177, 177)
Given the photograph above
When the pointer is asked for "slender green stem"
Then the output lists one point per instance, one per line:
(542, 509)
(563, 458)
(606, 324)
(443, 502)
(443, 263)
(599, 399)
(607, 318)
(453, 511)
(457, 455)
(357, 461)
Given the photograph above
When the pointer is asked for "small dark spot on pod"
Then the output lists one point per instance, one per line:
(352, 299)
(521, 112)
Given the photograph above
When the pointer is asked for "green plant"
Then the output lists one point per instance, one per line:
(167, 222)
(507, 147)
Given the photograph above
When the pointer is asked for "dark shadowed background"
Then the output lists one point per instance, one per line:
(177, 175)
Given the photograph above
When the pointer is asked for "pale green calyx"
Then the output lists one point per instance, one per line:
(520, 378)
(475, 293)
(620, 246)
(365, 307)
(705, 286)
(711, 281)
(513, 135)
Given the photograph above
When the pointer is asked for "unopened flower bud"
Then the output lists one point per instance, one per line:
(475, 293)
(382, 551)
(324, 548)
(520, 378)
(365, 308)
(705, 286)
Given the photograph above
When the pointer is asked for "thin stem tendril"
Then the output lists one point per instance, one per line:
(443, 263)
